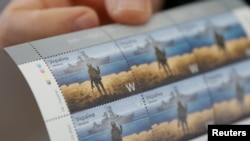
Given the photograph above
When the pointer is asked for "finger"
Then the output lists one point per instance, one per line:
(157, 5)
(22, 26)
(98, 6)
(55, 3)
(38, 4)
(129, 11)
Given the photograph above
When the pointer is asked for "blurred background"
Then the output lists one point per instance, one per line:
(3, 3)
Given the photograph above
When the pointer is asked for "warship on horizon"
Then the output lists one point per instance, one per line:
(176, 97)
(108, 117)
(83, 60)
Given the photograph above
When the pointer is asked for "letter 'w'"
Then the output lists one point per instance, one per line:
(130, 87)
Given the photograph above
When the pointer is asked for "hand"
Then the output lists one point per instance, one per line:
(27, 20)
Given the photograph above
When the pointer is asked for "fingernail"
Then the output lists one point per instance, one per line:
(134, 5)
(85, 21)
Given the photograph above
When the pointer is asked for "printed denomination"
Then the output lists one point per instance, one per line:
(126, 119)
(180, 111)
(216, 41)
(92, 76)
(158, 58)
(227, 95)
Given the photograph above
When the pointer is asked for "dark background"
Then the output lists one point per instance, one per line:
(174, 3)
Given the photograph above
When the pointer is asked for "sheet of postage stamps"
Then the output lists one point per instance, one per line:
(166, 84)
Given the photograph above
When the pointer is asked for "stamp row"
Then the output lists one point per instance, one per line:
(100, 74)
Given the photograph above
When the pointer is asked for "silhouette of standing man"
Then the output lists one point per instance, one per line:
(239, 89)
(116, 132)
(161, 58)
(240, 95)
(182, 117)
(95, 78)
(220, 41)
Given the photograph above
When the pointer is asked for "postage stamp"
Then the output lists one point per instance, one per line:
(180, 111)
(125, 119)
(158, 58)
(92, 76)
(227, 94)
(216, 41)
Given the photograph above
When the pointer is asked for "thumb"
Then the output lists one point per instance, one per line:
(18, 26)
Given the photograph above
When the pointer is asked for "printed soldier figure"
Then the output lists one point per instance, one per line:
(116, 133)
(182, 117)
(220, 41)
(95, 78)
(240, 95)
(161, 58)
(239, 90)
